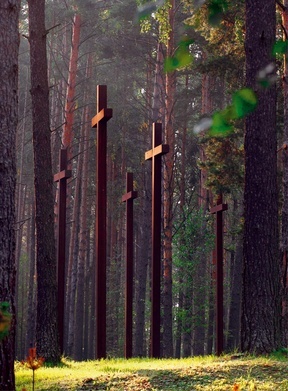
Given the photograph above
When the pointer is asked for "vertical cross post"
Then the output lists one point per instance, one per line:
(61, 177)
(100, 122)
(158, 149)
(128, 198)
(218, 210)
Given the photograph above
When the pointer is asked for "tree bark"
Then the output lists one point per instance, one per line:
(46, 329)
(79, 305)
(9, 45)
(284, 214)
(261, 306)
(67, 135)
(168, 195)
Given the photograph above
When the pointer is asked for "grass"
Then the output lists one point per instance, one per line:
(209, 373)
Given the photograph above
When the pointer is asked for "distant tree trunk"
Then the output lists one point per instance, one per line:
(72, 260)
(143, 226)
(187, 319)
(159, 87)
(31, 311)
(179, 322)
(46, 329)
(67, 139)
(168, 194)
(142, 260)
(79, 305)
(261, 305)
(205, 201)
(67, 135)
(233, 337)
(9, 19)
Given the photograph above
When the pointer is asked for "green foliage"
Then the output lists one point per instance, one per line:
(244, 102)
(216, 9)
(224, 163)
(182, 57)
(193, 240)
(280, 47)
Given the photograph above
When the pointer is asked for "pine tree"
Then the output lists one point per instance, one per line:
(261, 306)
(46, 329)
(9, 19)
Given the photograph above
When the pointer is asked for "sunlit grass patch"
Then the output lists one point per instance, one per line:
(202, 373)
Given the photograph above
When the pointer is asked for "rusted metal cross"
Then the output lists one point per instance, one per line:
(128, 198)
(61, 177)
(218, 210)
(158, 149)
(100, 122)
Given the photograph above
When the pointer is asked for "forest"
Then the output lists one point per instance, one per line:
(214, 74)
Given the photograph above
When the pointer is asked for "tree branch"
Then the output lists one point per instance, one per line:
(53, 27)
(281, 5)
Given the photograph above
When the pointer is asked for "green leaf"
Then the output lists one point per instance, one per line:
(184, 57)
(220, 126)
(181, 59)
(244, 102)
(170, 64)
(280, 47)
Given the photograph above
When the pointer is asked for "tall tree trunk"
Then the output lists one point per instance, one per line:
(233, 337)
(31, 311)
(79, 305)
(284, 214)
(67, 135)
(261, 305)
(46, 329)
(67, 138)
(9, 19)
(168, 194)
(205, 201)
(141, 267)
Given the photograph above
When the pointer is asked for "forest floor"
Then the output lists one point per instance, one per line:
(233, 373)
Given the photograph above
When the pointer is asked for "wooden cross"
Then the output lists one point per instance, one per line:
(100, 122)
(218, 210)
(61, 177)
(128, 198)
(158, 149)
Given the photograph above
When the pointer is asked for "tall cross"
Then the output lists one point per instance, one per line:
(100, 122)
(61, 177)
(158, 149)
(218, 210)
(128, 198)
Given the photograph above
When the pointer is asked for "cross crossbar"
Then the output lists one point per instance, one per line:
(158, 150)
(130, 195)
(219, 208)
(62, 175)
(103, 115)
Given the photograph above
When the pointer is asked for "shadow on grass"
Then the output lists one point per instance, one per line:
(204, 378)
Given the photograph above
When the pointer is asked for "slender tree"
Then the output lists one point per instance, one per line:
(9, 45)
(168, 189)
(46, 328)
(261, 305)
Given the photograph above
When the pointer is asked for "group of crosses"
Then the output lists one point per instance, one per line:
(158, 149)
